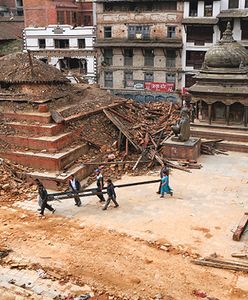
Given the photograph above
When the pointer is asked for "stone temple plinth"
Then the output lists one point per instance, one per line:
(189, 150)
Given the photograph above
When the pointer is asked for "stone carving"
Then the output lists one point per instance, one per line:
(182, 128)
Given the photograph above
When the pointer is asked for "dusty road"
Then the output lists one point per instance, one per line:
(109, 261)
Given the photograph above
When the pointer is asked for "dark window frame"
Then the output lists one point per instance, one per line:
(171, 31)
(148, 77)
(107, 32)
(42, 43)
(81, 43)
(61, 43)
(233, 4)
(149, 58)
(171, 58)
(108, 79)
(128, 57)
(108, 56)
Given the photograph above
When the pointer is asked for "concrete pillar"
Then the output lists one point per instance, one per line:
(216, 8)
(186, 9)
(236, 29)
(246, 116)
(227, 115)
(200, 10)
(209, 114)
(241, 4)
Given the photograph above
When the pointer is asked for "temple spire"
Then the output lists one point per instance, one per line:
(228, 35)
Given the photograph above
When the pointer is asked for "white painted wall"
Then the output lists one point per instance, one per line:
(32, 35)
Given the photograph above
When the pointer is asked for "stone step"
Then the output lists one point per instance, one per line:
(36, 129)
(56, 180)
(46, 161)
(233, 146)
(49, 143)
(230, 128)
(225, 134)
(43, 118)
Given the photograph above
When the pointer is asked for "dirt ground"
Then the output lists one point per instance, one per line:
(142, 250)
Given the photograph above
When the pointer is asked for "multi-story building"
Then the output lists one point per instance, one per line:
(139, 45)
(61, 34)
(204, 23)
(11, 26)
(11, 8)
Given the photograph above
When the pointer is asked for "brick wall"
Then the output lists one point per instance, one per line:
(44, 13)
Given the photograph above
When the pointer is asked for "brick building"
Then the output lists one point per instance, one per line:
(139, 46)
(60, 33)
(11, 7)
(50, 12)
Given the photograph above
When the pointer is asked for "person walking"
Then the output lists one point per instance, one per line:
(111, 194)
(75, 186)
(44, 198)
(100, 185)
(163, 169)
(165, 188)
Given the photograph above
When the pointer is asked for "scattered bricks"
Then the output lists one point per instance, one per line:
(43, 108)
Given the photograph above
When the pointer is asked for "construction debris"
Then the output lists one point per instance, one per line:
(241, 227)
(222, 264)
(210, 147)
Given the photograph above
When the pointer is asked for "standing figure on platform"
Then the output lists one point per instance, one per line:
(182, 128)
(43, 198)
(165, 188)
(100, 184)
(75, 186)
(111, 194)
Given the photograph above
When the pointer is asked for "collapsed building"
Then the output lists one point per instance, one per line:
(52, 128)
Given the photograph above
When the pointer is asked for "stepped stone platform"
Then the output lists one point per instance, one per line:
(48, 148)
(234, 138)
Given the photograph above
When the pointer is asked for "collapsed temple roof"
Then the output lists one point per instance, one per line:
(17, 68)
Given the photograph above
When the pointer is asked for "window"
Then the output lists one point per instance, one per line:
(140, 32)
(19, 2)
(189, 80)
(87, 20)
(171, 58)
(208, 8)
(244, 29)
(81, 43)
(149, 77)
(195, 59)
(107, 32)
(128, 57)
(60, 17)
(108, 79)
(171, 31)
(199, 35)
(108, 56)
(193, 8)
(149, 58)
(246, 3)
(171, 77)
(128, 79)
(61, 44)
(233, 4)
(42, 43)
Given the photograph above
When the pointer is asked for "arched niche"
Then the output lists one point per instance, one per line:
(237, 113)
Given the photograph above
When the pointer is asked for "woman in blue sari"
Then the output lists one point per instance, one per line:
(165, 188)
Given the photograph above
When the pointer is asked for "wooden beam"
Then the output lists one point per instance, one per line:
(241, 227)
(122, 128)
(93, 112)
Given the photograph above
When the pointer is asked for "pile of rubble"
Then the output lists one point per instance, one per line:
(13, 185)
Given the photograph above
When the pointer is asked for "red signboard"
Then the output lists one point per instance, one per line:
(160, 86)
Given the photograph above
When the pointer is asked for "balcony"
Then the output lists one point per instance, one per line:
(138, 43)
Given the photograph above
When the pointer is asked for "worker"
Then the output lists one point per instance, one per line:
(165, 188)
(163, 169)
(100, 184)
(44, 198)
(111, 194)
(75, 186)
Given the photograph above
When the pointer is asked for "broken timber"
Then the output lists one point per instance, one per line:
(241, 227)
(222, 264)
(121, 127)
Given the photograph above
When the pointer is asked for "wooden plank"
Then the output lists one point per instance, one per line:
(241, 227)
(122, 128)
(220, 265)
(93, 112)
